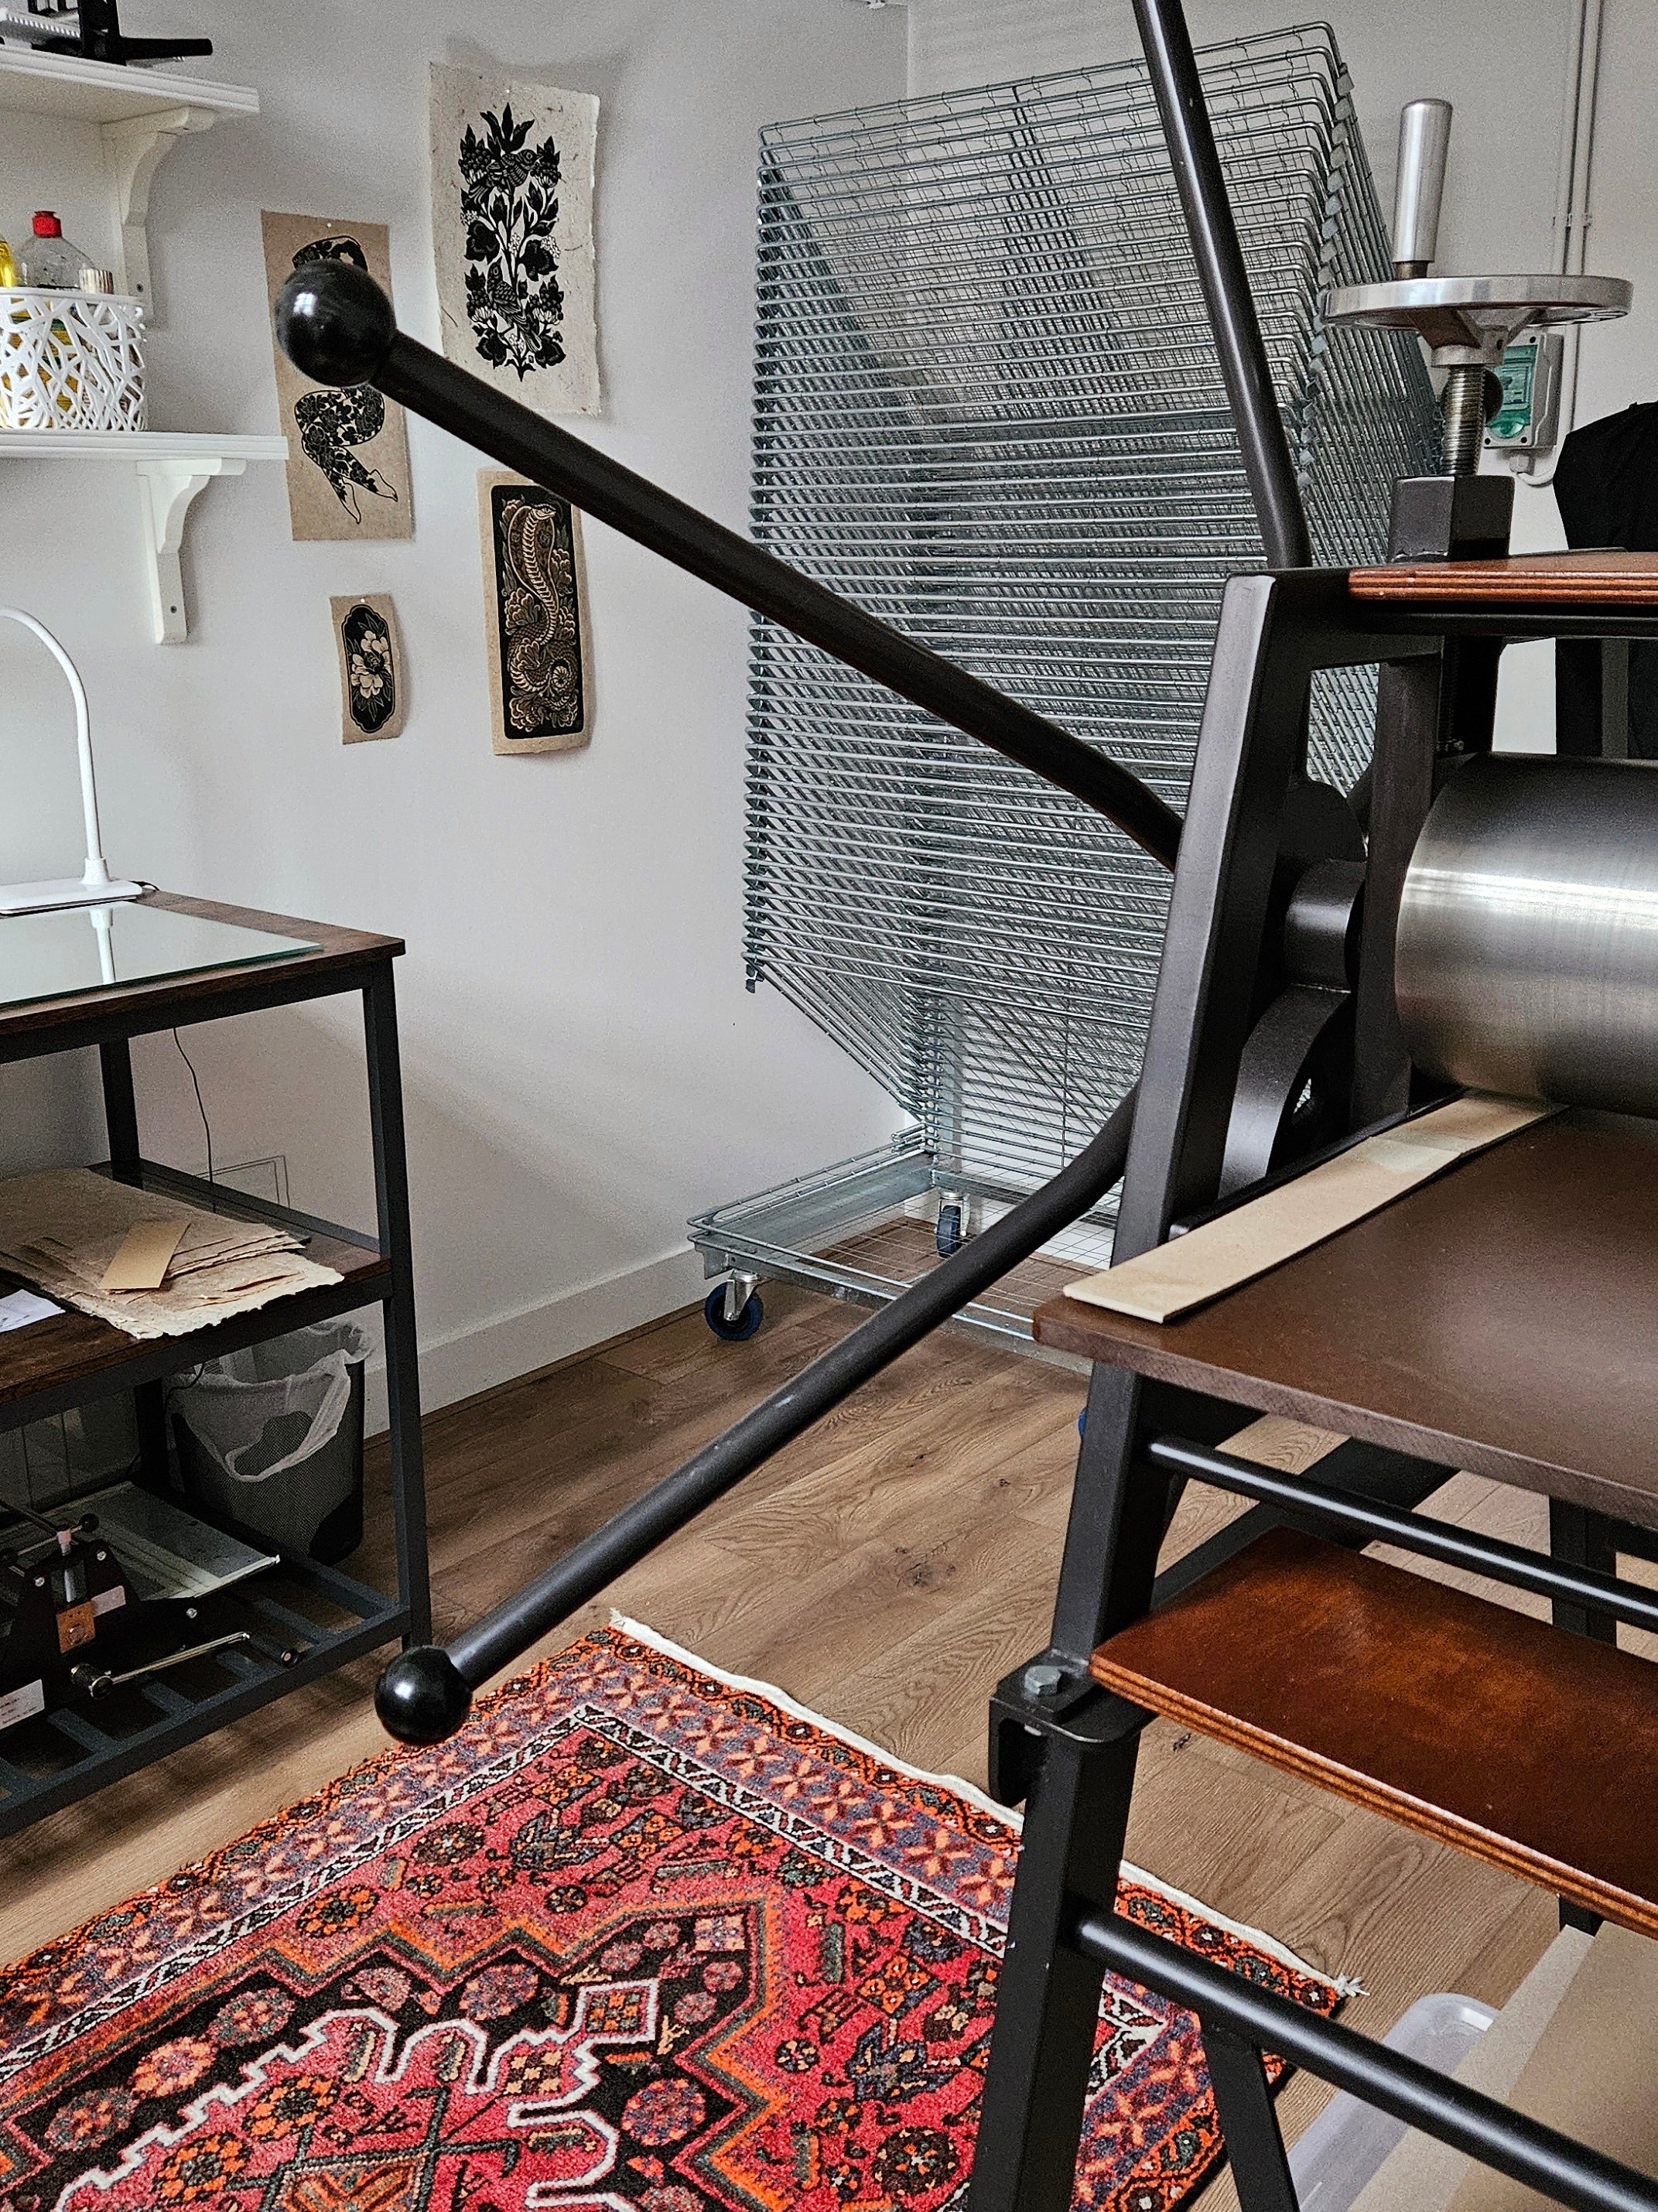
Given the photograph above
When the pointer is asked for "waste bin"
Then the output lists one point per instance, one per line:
(270, 1440)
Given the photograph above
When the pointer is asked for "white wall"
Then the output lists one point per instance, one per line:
(583, 1065)
(1505, 74)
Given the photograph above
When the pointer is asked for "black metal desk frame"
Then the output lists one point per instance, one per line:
(355, 1619)
(1056, 1738)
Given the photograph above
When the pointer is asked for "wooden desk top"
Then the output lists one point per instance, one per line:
(1502, 1319)
(1528, 579)
(168, 997)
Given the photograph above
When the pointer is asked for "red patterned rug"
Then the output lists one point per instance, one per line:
(640, 1938)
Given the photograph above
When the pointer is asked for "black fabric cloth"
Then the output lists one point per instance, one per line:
(1606, 485)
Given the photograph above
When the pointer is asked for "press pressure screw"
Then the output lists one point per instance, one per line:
(1043, 1680)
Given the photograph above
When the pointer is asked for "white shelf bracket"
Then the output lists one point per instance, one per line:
(133, 150)
(167, 490)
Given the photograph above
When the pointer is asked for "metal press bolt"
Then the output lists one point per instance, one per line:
(1041, 1680)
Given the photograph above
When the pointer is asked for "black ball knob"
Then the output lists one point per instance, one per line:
(334, 323)
(422, 1696)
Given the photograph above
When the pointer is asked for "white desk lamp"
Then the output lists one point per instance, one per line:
(93, 887)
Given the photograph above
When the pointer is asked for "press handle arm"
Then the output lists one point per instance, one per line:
(1424, 135)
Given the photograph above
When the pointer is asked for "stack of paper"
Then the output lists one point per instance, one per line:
(61, 1229)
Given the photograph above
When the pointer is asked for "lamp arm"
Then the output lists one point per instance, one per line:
(97, 871)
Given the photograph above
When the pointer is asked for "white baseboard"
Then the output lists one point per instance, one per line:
(469, 1360)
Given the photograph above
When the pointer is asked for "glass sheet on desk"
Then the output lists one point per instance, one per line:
(53, 955)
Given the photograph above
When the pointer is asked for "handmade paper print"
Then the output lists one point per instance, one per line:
(535, 610)
(512, 235)
(370, 656)
(348, 452)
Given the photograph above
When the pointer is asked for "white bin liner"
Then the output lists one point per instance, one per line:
(261, 1412)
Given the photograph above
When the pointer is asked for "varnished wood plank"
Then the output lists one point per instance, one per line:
(1499, 1320)
(1466, 1722)
(1529, 579)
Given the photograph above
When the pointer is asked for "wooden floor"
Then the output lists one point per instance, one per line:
(885, 1570)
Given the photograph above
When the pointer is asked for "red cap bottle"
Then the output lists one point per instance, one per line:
(47, 224)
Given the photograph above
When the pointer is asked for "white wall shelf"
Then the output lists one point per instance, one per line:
(173, 468)
(138, 115)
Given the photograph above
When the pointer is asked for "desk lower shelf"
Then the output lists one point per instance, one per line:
(328, 1617)
(54, 1365)
(66, 1755)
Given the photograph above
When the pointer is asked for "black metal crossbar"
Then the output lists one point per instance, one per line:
(1412, 1532)
(1439, 2105)
(336, 326)
(425, 1694)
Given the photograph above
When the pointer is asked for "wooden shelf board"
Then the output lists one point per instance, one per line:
(1469, 1722)
(33, 83)
(1500, 1319)
(74, 1347)
(1525, 580)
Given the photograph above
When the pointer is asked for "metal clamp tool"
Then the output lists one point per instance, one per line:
(1467, 323)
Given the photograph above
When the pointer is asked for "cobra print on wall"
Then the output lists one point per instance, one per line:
(536, 612)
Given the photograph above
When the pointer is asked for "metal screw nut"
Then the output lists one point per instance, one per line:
(1041, 1680)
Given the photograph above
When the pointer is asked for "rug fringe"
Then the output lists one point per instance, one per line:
(1346, 1986)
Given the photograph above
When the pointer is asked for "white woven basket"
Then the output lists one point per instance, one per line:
(70, 361)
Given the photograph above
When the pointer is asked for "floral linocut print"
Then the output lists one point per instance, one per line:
(513, 233)
(639, 1938)
(371, 703)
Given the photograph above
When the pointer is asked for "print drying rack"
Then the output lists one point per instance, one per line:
(1265, 932)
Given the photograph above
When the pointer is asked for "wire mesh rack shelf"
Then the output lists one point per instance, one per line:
(987, 408)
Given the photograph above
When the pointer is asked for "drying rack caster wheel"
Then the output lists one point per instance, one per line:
(948, 1234)
(750, 1315)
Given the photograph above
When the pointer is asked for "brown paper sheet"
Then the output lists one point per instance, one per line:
(141, 1263)
(60, 1231)
(1592, 2073)
(1189, 1271)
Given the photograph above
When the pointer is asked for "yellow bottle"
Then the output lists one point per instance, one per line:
(8, 275)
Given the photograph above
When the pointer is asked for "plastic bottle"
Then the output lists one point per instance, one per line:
(50, 262)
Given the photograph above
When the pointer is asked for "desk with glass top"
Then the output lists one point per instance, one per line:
(101, 977)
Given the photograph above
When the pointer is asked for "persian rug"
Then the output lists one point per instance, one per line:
(641, 1938)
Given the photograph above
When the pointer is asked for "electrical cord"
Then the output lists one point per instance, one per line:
(207, 1126)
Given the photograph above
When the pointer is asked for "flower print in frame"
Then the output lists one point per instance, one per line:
(513, 236)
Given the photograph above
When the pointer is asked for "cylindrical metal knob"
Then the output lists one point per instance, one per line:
(1425, 135)
(1527, 959)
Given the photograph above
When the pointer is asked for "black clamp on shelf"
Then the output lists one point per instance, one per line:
(1050, 1699)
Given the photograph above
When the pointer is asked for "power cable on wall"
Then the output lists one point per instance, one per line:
(207, 1126)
